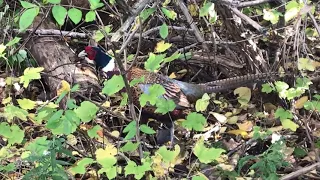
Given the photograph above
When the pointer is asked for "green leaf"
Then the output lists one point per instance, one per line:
(26, 19)
(169, 13)
(173, 57)
(54, 1)
(146, 129)
(75, 88)
(283, 114)
(167, 155)
(30, 74)
(267, 88)
(13, 41)
(92, 133)
(129, 147)
(11, 111)
(306, 64)
(75, 15)
(113, 85)
(99, 34)
(299, 152)
(136, 81)
(95, 4)
(289, 124)
(59, 13)
(87, 111)
(81, 165)
(164, 106)
(281, 86)
(146, 13)
(206, 155)
(164, 31)
(90, 16)
(137, 171)
(124, 100)
(66, 125)
(13, 133)
(131, 129)
(271, 15)
(202, 104)
(152, 95)
(195, 121)
(27, 5)
(20, 56)
(204, 10)
(26, 104)
(292, 10)
(153, 62)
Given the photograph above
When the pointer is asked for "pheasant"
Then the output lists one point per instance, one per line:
(182, 93)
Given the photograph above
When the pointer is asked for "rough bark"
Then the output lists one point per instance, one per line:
(56, 58)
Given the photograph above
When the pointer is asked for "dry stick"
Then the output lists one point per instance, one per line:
(300, 171)
(139, 6)
(197, 33)
(247, 19)
(252, 3)
(127, 86)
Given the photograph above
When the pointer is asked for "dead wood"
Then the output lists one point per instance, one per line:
(56, 58)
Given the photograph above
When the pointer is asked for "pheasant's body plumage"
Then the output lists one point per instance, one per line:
(182, 93)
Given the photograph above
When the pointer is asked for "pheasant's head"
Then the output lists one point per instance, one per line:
(95, 55)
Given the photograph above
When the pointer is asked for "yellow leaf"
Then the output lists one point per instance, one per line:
(65, 87)
(244, 94)
(300, 102)
(6, 100)
(72, 140)
(220, 117)
(162, 46)
(172, 75)
(109, 151)
(193, 9)
(106, 104)
(246, 126)
(237, 132)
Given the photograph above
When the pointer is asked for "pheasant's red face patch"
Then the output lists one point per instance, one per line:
(91, 53)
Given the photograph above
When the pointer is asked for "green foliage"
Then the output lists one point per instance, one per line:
(258, 134)
(146, 129)
(206, 155)
(138, 171)
(30, 74)
(81, 165)
(43, 153)
(28, 15)
(13, 133)
(153, 62)
(154, 92)
(59, 13)
(131, 130)
(202, 104)
(164, 30)
(195, 121)
(169, 13)
(271, 160)
(129, 147)
(87, 111)
(113, 85)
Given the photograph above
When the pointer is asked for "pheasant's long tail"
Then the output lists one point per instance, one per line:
(250, 78)
(229, 83)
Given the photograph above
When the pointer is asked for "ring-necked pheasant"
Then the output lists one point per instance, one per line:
(182, 93)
